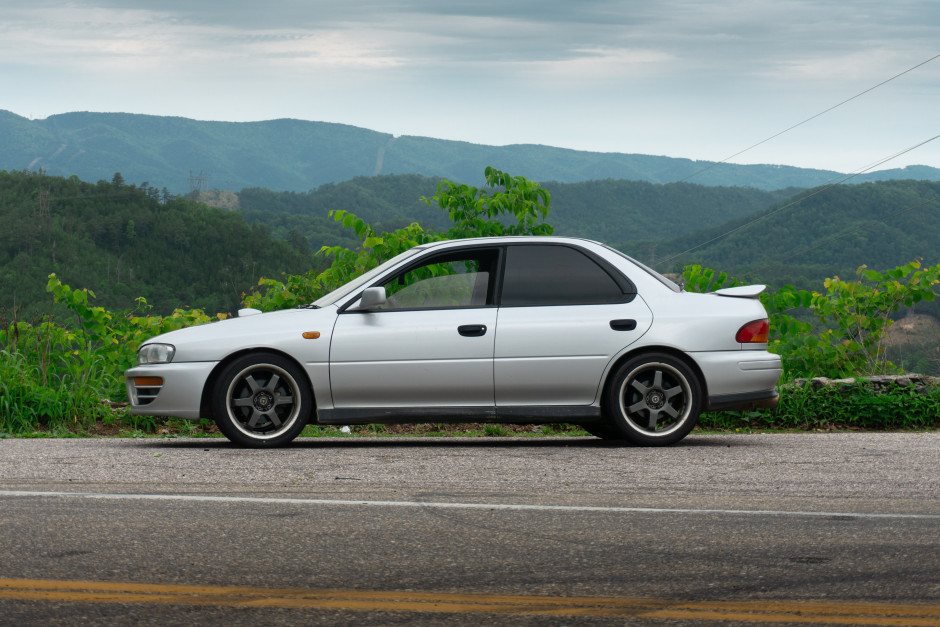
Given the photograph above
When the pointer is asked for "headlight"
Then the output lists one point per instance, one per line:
(155, 354)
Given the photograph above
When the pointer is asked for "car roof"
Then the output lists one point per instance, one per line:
(509, 239)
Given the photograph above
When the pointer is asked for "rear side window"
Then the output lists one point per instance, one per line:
(555, 275)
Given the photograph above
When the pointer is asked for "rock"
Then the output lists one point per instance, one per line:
(921, 384)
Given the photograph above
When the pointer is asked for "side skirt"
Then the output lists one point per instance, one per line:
(507, 415)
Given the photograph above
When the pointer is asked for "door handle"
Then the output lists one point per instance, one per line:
(623, 325)
(472, 330)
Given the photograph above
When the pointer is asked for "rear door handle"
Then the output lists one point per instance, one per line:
(623, 325)
(472, 330)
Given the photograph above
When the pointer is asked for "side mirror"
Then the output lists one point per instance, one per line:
(372, 298)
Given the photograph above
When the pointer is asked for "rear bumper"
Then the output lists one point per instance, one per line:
(743, 402)
(740, 380)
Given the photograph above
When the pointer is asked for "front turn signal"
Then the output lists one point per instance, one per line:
(148, 382)
(755, 332)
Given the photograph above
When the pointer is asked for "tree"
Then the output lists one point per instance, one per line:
(851, 317)
(508, 206)
(480, 212)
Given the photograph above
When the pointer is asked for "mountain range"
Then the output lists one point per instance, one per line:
(183, 155)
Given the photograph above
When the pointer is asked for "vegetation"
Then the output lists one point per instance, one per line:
(299, 155)
(126, 242)
(64, 376)
(805, 408)
(472, 212)
(61, 369)
(608, 210)
(845, 334)
(818, 233)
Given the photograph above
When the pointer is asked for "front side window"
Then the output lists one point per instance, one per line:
(447, 281)
(539, 275)
(344, 290)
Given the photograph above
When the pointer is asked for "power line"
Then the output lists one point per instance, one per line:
(809, 119)
(799, 200)
(844, 233)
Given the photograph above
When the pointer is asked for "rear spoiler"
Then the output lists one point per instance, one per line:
(743, 291)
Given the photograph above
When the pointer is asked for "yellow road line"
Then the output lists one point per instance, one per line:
(818, 612)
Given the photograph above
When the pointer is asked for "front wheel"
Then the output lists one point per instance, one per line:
(653, 400)
(261, 400)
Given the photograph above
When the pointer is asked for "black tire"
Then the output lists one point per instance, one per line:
(653, 400)
(261, 400)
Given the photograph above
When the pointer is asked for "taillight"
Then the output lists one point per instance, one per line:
(753, 332)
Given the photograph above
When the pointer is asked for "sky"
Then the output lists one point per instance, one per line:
(694, 79)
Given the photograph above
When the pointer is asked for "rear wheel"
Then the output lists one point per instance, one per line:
(261, 400)
(653, 400)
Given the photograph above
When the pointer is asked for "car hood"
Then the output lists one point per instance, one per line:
(277, 329)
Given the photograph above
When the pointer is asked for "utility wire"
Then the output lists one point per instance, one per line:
(844, 233)
(799, 200)
(774, 136)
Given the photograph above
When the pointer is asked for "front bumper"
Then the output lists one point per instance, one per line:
(168, 389)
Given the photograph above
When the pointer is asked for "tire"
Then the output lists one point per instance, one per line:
(261, 400)
(653, 400)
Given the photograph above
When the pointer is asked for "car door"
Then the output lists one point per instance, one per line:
(430, 345)
(563, 316)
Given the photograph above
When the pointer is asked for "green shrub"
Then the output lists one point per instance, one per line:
(54, 376)
(856, 406)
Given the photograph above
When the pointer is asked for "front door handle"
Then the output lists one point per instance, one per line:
(623, 325)
(472, 330)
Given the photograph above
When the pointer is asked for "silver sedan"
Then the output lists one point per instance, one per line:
(508, 330)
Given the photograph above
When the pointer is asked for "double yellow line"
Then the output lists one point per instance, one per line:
(833, 613)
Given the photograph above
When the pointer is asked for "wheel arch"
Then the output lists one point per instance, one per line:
(643, 350)
(205, 402)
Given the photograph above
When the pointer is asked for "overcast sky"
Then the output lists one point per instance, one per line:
(682, 78)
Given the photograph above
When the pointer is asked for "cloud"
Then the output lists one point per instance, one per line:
(681, 77)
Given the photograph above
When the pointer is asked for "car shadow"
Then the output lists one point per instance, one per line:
(398, 442)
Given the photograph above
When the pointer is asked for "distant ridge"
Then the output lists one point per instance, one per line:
(298, 155)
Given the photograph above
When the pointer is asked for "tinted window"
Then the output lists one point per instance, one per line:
(555, 275)
(664, 280)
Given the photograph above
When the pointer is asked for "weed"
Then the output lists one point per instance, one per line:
(838, 407)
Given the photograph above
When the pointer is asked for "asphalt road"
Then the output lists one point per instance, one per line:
(821, 528)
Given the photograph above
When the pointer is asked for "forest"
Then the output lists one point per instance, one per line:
(795, 236)
(299, 155)
(129, 248)
(614, 211)
(127, 241)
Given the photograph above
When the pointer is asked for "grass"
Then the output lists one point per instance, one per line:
(801, 409)
(853, 407)
(122, 424)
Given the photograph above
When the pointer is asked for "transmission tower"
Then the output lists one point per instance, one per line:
(197, 184)
(43, 211)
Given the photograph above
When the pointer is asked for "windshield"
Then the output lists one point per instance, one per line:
(362, 280)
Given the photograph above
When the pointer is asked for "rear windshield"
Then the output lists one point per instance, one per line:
(668, 283)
